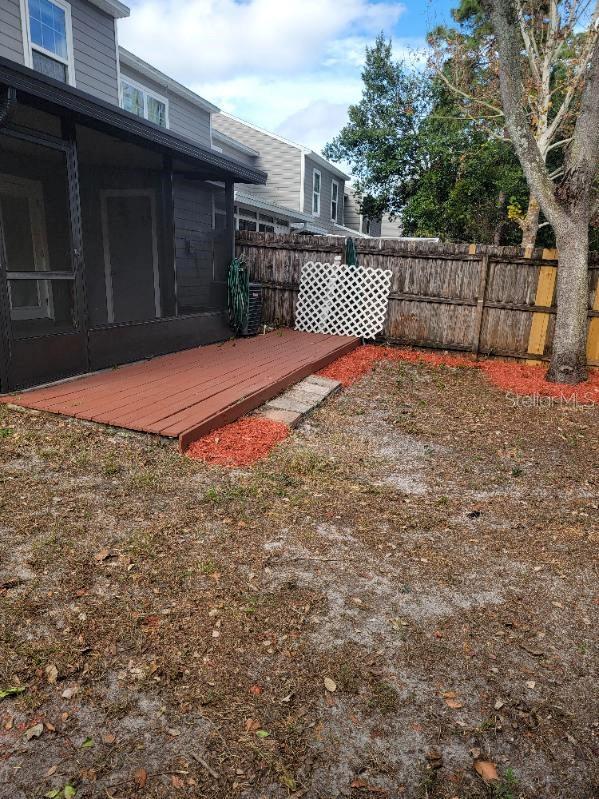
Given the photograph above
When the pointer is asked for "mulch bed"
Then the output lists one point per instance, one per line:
(239, 444)
(521, 379)
(251, 438)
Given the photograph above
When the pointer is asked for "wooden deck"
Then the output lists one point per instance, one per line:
(187, 394)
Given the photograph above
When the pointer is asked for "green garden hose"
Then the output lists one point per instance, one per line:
(239, 294)
(351, 253)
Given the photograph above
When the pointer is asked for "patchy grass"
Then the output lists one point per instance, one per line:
(422, 539)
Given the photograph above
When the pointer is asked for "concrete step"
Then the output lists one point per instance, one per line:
(297, 402)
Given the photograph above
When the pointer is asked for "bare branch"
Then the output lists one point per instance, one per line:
(467, 96)
(504, 18)
(584, 149)
(559, 143)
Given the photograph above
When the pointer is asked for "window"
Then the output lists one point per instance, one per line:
(143, 103)
(316, 193)
(334, 200)
(48, 39)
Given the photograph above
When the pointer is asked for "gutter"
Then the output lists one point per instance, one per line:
(8, 105)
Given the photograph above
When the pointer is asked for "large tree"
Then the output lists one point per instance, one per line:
(555, 53)
(414, 156)
(570, 202)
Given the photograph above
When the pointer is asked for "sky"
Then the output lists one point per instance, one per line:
(290, 66)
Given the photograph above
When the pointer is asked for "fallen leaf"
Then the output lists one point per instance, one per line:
(530, 683)
(69, 791)
(499, 704)
(70, 692)
(53, 794)
(262, 733)
(108, 738)
(34, 732)
(454, 704)
(51, 673)
(486, 769)
(52, 770)
(88, 743)
(102, 555)
(174, 733)
(177, 782)
(330, 684)
(251, 725)
(13, 691)
(256, 690)
(140, 777)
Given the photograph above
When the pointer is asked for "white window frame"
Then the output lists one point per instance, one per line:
(146, 93)
(316, 194)
(29, 46)
(335, 184)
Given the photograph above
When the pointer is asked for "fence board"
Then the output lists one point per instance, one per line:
(477, 298)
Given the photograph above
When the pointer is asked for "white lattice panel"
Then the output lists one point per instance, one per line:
(343, 300)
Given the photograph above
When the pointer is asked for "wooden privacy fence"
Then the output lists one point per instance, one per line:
(476, 298)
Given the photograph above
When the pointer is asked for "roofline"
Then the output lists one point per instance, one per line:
(129, 59)
(265, 205)
(243, 148)
(305, 150)
(53, 95)
(113, 8)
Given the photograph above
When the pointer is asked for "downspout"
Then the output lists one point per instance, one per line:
(7, 105)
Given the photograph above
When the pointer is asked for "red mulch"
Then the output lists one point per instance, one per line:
(239, 444)
(519, 378)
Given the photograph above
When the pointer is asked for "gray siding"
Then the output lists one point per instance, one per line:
(391, 228)
(11, 36)
(325, 195)
(280, 160)
(94, 47)
(185, 118)
(355, 221)
(232, 152)
(94, 51)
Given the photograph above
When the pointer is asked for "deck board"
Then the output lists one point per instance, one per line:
(186, 394)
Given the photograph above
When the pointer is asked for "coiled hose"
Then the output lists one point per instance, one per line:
(238, 295)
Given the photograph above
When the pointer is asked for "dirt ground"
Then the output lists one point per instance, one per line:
(420, 545)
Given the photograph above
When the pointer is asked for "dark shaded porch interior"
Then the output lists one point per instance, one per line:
(113, 246)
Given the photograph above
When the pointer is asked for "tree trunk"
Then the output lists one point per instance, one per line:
(568, 359)
(500, 219)
(530, 225)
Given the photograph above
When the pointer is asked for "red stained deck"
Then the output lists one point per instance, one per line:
(187, 394)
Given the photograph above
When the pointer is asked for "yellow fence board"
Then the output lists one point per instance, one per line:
(540, 321)
(593, 339)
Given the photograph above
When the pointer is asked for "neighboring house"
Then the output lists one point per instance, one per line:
(354, 218)
(302, 188)
(391, 228)
(116, 224)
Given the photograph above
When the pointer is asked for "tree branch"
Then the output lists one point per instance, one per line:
(504, 19)
(584, 149)
(467, 96)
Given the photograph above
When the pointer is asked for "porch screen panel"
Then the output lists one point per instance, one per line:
(35, 238)
(126, 233)
(195, 240)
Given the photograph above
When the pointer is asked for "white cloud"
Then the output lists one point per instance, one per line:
(199, 40)
(289, 67)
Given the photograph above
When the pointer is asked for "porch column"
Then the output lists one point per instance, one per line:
(230, 217)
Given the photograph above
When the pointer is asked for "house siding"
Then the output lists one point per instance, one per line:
(280, 160)
(185, 118)
(94, 46)
(355, 221)
(327, 178)
(232, 152)
(391, 228)
(11, 36)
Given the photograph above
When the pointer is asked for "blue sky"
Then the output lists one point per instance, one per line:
(291, 67)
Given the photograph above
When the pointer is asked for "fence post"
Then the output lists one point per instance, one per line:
(480, 302)
(537, 338)
(593, 338)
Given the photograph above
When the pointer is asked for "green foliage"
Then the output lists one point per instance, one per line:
(414, 155)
